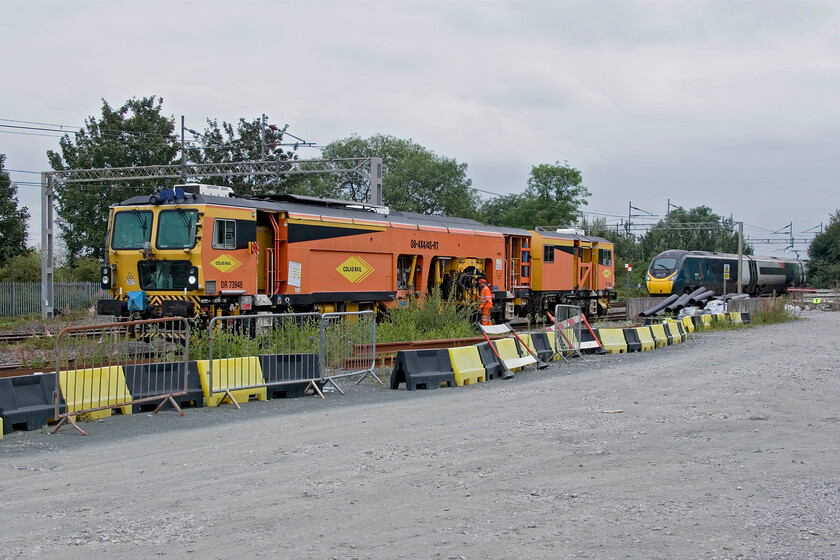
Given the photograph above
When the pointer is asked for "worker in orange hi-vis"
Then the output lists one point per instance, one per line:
(486, 302)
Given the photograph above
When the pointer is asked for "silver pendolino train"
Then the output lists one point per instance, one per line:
(678, 271)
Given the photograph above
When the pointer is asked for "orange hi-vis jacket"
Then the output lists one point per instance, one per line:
(486, 297)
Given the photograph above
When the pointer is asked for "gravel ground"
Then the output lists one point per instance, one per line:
(723, 447)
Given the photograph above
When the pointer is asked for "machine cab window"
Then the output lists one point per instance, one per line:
(548, 253)
(224, 234)
(131, 229)
(176, 229)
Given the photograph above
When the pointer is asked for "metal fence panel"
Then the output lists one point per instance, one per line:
(262, 351)
(24, 298)
(568, 321)
(99, 368)
(348, 345)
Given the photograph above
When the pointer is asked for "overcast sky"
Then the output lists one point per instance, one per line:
(729, 104)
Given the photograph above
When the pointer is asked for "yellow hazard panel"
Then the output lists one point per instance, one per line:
(466, 363)
(84, 389)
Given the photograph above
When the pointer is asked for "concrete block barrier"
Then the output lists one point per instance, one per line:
(26, 402)
(467, 366)
(422, 369)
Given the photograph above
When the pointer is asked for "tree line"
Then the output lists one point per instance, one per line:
(415, 179)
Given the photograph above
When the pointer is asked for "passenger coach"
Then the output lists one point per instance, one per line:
(678, 271)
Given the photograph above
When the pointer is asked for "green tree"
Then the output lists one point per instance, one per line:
(25, 267)
(553, 197)
(12, 219)
(84, 269)
(697, 229)
(225, 144)
(824, 266)
(135, 134)
(414, 179)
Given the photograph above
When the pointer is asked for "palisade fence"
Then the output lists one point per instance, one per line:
(24, 298)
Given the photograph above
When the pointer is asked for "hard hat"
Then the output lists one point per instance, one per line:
(482, 280)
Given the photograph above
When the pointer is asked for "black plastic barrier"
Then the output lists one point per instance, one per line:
(26, 402)
(745, 318)
(631, 337)
(426, 369)
(542, 346)
(151, 380)
(492, 364)
(282, 371)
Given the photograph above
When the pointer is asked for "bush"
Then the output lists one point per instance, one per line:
(435, 318)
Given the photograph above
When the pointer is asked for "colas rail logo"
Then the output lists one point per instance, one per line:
(226, 263)
(355, 269)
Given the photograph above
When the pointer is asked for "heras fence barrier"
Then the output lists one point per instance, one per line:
(572, 331)
(348, 346)
(119, 366)
(256, 357)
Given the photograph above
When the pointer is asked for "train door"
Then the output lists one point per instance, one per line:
(517, 262)
(584, 265)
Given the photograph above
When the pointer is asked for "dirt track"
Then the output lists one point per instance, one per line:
(727, 446)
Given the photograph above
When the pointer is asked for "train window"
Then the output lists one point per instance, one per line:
(526, 256)
(176, 229)
(526, 270)
(604, 257)
(548, 253)
(131, 229)
(224, 234)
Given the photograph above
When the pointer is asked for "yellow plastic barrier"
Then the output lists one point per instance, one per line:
(506, 347)
(646, 338)
(559, 344)
(1, 428)
(95, 387)
(613, 340)
(466, 363)
(526, 338)
(659, 335)
(735, 318)
(688, 324)
(721, 317)
(674, 331)
(706, 320)
(228, 374)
